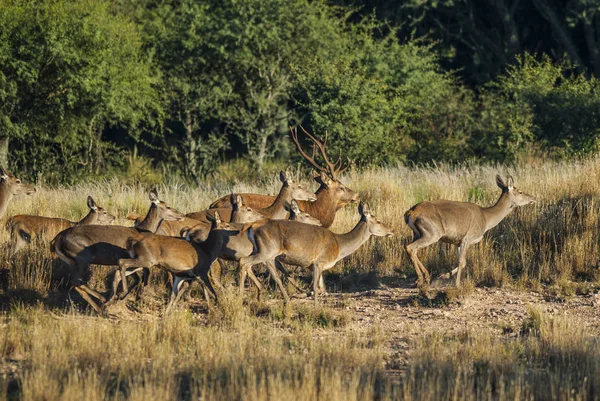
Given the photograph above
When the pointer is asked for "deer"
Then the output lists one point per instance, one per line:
(239, 216)
(307, 246)
(83, 245)
(183, 259)
(26, 228)
(459, 223)
(11, 186)
(233, 245)
(278, 208)
(177, 228)
(332, 195)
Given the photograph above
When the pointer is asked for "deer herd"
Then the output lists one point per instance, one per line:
(291, 228)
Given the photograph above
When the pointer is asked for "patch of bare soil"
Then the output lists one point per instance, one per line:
(399, 312)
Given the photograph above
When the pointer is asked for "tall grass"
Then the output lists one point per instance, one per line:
(263, 351)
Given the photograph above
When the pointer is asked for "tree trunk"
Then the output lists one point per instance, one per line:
(561, 32)
(4, 142)
(191, 144)
(262, 151)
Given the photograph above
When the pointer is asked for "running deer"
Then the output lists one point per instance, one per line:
(311, 247)
(278, 208)
(25, 228)
(233, 245)
(81, 246)
(332, 195)
(186, 260)
(11, 186)
(458, 223)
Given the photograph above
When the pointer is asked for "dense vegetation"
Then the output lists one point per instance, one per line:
(93, 87)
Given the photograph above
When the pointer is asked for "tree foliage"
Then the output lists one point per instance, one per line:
(91, 86)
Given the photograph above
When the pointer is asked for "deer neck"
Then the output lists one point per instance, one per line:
(495, 214)
(89, 218)
(351, 241)
(277, 210)
(151, 222)
(5, 197)
(323, 208)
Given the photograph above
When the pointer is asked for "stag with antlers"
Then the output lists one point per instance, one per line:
(331, 195)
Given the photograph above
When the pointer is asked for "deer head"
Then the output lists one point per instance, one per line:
(102, 216)
(328, 175)
(13, 185)
(242, 213)
(162, 210)
(515, 195)
(376, 228)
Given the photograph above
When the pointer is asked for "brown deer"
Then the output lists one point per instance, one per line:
(233, 245)
(81, 246)
(298, 215)
(278, 208)
(174, 228)
(184, 259)
(332, 195)
(11, 186)
(307, 246)
(458, 223)
(25, 228)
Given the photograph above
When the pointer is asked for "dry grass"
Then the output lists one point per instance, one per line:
(251, 350)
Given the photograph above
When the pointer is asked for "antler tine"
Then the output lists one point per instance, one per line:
(340, 171)
(311, 160)
(323, 149)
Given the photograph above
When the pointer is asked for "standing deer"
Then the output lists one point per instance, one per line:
(278, 208)
(25, 228)
(81, 246)
(174, 228)
(332, 195)
(458, 223)
(307, 246)
(11, 186)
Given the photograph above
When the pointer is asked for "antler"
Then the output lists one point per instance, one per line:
(332, 168)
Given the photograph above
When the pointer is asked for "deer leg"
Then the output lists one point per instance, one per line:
(128, 272)
(273, 271)
(207, 286)
(317, 270)
(462, 260)
(145, 276)
(256, 282)
(179, 286)
(412, 248)
(89, 300)
(126, 268)
(282, 269)
(18, 242)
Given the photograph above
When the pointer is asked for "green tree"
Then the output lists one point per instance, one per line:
(67, 70)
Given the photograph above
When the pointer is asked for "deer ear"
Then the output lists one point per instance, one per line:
(325, 178)
(363, 209)
(500, 183)
(511, 182)
(217, 217)
(91, 204)
(3, 174)
(239, 200)
(153, 195)
(283, 177)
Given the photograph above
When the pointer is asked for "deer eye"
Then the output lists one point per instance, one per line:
(18, 181)
(105, 213)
